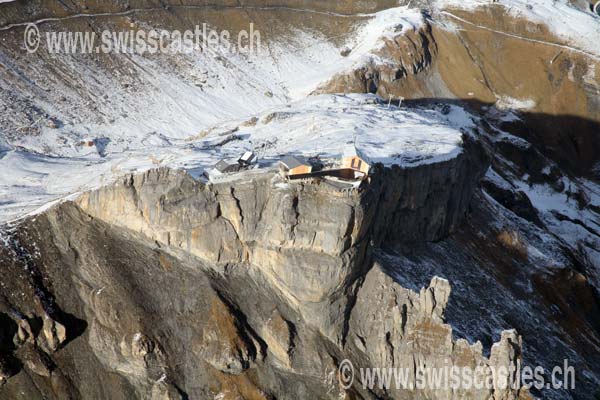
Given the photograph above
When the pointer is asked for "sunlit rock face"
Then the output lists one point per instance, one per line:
(157, 286)
(306, 246)
(311, 240)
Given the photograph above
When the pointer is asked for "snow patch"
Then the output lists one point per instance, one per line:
(510, 103)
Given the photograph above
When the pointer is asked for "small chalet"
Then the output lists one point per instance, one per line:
(246, 159)
(222, 168)
(292, 166)
(225, 166)
(354, 160)
(229, 165)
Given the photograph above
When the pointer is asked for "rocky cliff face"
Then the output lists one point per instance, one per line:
(162, 287)
(415, 336)
(287, 230)
(539, 96)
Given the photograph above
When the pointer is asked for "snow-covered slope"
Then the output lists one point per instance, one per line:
(146, 98)
(316, 126)
(322, 125)
(63, 134)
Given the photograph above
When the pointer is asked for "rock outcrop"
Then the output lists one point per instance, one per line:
(409, 56)
(251, 288)
(311, 240)
(398, 328)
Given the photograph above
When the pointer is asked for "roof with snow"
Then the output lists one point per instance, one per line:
(247, 157)
(227, 165)
(292, 162)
